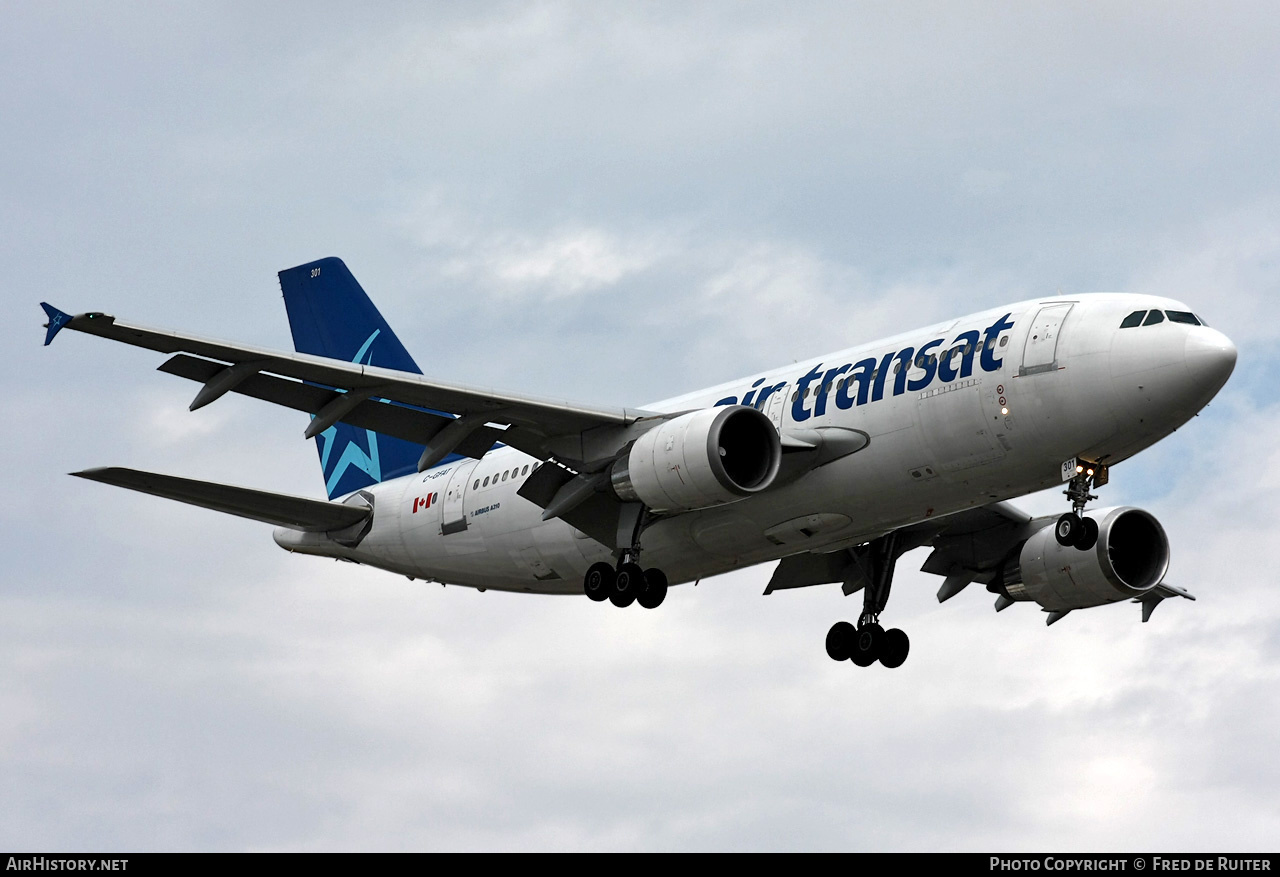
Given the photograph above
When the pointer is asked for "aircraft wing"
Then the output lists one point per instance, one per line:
(975, 540)
(968, 546)
(446, 417)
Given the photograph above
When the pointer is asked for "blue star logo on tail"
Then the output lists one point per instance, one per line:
(352, 454)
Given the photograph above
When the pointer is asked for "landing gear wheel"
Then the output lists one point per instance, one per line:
(598, 582)
(894, 648)
(1068, 528)
(654, 590)
(1088, 534)
(840, 641)
(627, 585)
(867, 644)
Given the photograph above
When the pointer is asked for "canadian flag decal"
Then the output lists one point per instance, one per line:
(425, 502)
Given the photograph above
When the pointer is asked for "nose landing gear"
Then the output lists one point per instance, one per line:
(1073, 528)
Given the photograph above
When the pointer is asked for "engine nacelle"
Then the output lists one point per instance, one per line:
(704, 458)
(1130, 558)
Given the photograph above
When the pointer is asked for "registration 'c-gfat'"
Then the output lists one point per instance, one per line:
(835, 466)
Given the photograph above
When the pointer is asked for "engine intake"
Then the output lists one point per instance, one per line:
(700, 459)
(1130, 558)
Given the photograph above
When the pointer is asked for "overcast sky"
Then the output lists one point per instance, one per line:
(616, 204)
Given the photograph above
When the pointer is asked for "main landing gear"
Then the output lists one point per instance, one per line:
(869, 642)
(625, 585)
(1073, 528)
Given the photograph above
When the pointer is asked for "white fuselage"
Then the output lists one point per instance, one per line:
(1009, 395)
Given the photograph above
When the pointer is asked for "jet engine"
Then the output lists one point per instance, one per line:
(1130, 558)
(700, 459)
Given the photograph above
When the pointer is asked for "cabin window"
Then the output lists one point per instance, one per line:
(1004, 340)
(504, 475)
(1182, 317)
(1134, 319)
(476, 486)
(1153, 318)
(486, 481)
(526, 469)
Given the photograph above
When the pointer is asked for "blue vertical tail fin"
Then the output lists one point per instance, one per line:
(331, 316)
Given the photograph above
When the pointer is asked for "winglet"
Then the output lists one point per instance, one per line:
(57, 319)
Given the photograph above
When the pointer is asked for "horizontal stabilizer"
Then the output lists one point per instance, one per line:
(297, 512)
(1158, 595)
(57, 319)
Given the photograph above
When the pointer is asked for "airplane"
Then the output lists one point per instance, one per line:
(834, 467)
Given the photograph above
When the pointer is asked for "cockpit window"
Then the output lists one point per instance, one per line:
(1153, 318)
(1182, 317)
(1203, 321)
(1134, 319)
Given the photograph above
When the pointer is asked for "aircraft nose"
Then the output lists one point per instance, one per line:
(1210, 357)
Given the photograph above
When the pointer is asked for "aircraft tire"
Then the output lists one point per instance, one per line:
(627, 585)
(894, 649)
(1088, 534)
(840, 641)
(598, 582)
(654, 590)
(1068, 528)
(867, 645)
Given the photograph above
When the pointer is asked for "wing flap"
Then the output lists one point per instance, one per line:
(387, 418)
(968, 546)
(807, 569)
(393, 420)
(297, 512)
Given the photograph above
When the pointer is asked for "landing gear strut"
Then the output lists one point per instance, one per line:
(1074, 528)
(869, 642)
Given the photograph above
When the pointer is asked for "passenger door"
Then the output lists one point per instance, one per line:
(453, 512)
(1040, 354)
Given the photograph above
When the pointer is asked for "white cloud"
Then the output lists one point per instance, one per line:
(565, 263)
(1228, 266)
